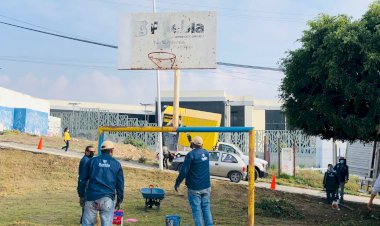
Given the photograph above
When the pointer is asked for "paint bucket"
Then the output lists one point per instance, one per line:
(173, 220)
(118, 216)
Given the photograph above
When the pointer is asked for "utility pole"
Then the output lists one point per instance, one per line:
(72, 114)
(159, 117)
(145, 111)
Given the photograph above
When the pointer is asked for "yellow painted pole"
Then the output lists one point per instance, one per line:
(251, 181)
(177, 75)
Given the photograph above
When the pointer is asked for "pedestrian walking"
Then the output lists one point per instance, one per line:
(375, 191)
(66, 138)
(83, 167)
(196, 170)
(105, 180)
(343, 173)
(331, 184)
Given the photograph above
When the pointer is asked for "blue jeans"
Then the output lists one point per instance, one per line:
(200, 203)
(341, 187)
(105, 206)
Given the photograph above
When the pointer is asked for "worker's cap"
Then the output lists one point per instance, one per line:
(198, 141)
(107, 145)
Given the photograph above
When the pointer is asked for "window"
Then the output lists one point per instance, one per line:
(274, 120)
(228, 158)
(226, 148)
(237, 116)
(214, 156)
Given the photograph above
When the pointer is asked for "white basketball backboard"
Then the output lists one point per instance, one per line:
(166, 41)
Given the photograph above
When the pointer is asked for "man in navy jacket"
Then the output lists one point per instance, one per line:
(196, 170)
(88, 154)
(105, 178)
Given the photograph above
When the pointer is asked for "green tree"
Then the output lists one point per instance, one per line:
(331, 86)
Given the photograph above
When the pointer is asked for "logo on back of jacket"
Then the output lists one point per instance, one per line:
(104, 164)
(204, 157)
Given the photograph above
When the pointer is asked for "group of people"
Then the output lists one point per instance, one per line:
(335, 178)
(100, 183)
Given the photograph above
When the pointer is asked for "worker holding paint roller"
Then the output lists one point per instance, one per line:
(105, 180)
(196, 170)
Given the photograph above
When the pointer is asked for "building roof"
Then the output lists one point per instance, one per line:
(116, 108)
(219, 95)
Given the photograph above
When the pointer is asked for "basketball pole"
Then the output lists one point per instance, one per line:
(177, 75)
(159, 117)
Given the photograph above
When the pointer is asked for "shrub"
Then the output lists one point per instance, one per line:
(142, 159)
(134, 142)
(127, 159)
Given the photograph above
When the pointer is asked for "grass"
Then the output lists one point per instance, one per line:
(311, 179)
(40, 189)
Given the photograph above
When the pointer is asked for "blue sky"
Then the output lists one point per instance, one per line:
(249, 32)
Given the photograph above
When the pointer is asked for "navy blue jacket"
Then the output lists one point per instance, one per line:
(330, 180)
(196, 170)
(82, 168)
(105, 176)
(342, 171)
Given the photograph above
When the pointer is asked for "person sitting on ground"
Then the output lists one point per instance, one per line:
(375, 191)
(330, 183)
(105, 176)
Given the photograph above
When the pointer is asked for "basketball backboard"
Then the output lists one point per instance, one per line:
(167, 41)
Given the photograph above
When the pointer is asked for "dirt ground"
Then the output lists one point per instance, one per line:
(122, 151)
(40, 189)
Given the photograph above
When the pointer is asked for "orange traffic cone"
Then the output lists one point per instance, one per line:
(273, 184)
(40, 144)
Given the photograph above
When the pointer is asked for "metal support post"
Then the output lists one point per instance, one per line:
(251, 181)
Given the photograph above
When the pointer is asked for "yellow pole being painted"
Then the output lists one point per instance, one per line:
(251, 182)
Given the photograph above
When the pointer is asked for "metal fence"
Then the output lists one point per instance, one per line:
(85, 122)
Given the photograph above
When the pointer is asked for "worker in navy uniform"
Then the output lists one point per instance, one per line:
(330, 183)
(342, 171)
(88, 154)
(105, 185)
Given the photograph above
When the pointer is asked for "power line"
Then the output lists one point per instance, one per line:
(61, 36)
(250, 66)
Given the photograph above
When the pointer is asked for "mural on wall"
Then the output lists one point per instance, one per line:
(36, 122)
(6, 118)
(19, 119)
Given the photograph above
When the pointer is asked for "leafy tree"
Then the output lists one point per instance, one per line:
(331, 86)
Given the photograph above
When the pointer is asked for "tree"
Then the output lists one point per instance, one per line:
(331, 86)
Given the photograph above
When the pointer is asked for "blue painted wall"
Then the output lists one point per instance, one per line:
(6, 117)
(19, 119)
(36, 122)
(24, 120)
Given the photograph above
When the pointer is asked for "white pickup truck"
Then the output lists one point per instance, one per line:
(260, 164)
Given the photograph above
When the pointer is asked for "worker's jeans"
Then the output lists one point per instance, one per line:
(105, 206)
(200, 203)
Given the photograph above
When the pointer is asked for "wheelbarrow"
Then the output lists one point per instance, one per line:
(152, 196)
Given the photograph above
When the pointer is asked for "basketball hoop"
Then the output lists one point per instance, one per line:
(163, 60)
